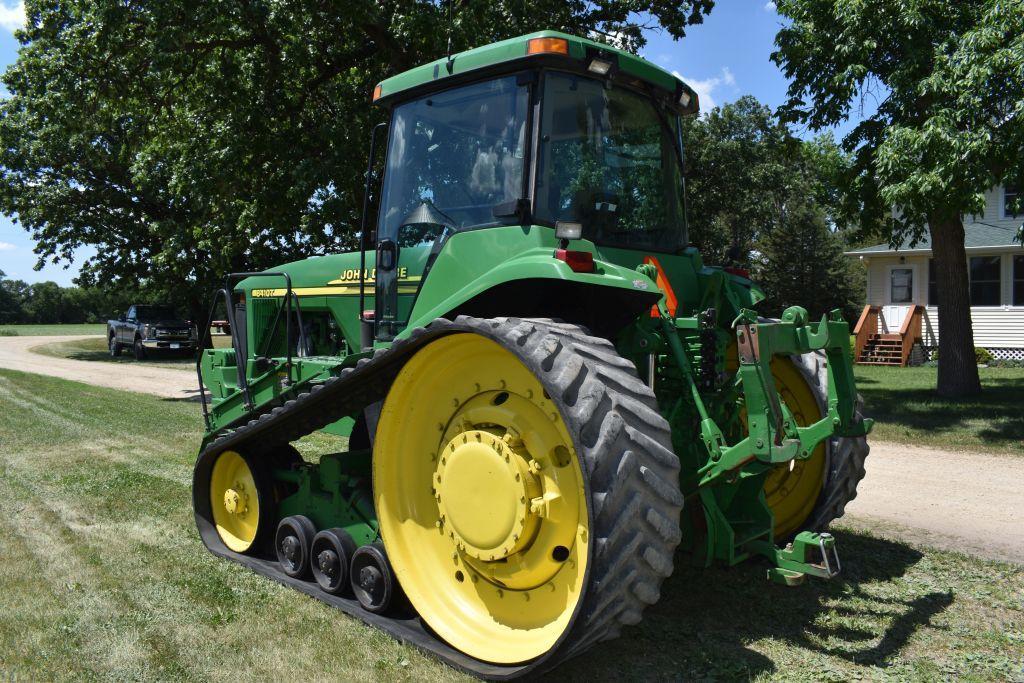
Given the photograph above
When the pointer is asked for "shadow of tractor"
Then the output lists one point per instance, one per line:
(706, 618)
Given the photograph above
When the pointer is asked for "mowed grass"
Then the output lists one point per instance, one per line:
(51, 330)
(907, 410)
(95, 349)
(104, 578)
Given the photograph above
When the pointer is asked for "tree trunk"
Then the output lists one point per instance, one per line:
(958, 369)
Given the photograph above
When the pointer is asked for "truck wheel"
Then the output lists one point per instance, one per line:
(115, 348)
(140, 350)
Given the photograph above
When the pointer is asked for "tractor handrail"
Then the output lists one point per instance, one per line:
(202, 346)
(242, 354)
(364, 220)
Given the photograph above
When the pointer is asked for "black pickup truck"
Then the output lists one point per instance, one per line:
(147, 328)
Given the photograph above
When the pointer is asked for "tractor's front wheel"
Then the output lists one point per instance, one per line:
(527, 493)
(240, 500)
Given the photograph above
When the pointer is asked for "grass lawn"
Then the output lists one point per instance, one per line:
(96, 350)
(104, 577)
(51, 330)
(907, 410)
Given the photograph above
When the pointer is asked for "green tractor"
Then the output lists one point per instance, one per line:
(547, 395)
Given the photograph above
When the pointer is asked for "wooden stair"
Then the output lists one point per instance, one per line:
(873, 347)
(882, 349)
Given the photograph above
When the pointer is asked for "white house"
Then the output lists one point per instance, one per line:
(902, 280)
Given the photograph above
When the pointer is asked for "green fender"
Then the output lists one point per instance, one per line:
(476, 262)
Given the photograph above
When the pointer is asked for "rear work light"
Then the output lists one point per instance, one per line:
(539, 46)
(578, 261)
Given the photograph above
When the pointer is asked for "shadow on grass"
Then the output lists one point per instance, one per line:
(706, 618)
(104, 356)
(997, 407)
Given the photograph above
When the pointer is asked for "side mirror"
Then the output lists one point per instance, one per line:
(121, 318)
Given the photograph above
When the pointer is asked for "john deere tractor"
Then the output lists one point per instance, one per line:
(548, 398)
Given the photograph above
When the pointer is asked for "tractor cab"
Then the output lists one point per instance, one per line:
(552, 133)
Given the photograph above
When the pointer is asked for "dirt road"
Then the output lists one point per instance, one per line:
(15, 354)
(970, 502)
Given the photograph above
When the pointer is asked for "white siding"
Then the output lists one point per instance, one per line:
(994, 211)
(878, 277)
(994, 328)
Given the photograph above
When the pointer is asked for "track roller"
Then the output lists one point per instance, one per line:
(330, 554)
(292, 544)
(373, 580)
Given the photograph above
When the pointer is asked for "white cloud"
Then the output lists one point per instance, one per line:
(7, 246)
(12, 18)
(705, 87)
(769, 6)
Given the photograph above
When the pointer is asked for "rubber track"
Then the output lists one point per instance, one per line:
(623, 442)
(846, 455)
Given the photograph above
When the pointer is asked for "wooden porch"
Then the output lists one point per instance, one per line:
(874, 347)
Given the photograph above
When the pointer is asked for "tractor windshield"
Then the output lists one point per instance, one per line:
(607, 160)
(456, 156)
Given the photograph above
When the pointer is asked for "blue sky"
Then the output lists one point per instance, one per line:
(724, 58)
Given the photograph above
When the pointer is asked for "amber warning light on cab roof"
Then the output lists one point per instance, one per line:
(376, 92)
(537, 46)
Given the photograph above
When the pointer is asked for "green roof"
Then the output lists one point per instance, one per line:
(976, 235)
(515, 49)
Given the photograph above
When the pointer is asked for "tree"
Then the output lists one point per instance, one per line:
(188, 140)
(949, 124)
(738, 158)
(801, 262)
(10, 301)
(763, 198)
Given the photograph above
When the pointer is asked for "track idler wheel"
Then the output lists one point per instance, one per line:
(330, 554)
(373, 580)
(292, 545)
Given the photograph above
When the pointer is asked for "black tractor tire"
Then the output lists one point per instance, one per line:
(139, 350)
(846, 454)
(626, 452)
(630, 471)
(114, 347)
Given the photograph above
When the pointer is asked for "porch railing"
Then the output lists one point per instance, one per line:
(866, 328)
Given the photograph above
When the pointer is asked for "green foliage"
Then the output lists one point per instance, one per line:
(801, 262)
(948, 80)
(982, 356)
(738, 159)
(752, 183)
(185, 141)
(49, 303)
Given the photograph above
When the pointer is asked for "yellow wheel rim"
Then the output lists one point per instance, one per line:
(481, 500)
(792, 488)
(234, 501)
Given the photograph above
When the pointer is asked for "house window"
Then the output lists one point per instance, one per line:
(984, 280)
(933, 288)
(1018, 280)
(901, 285)
(1010, 195)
